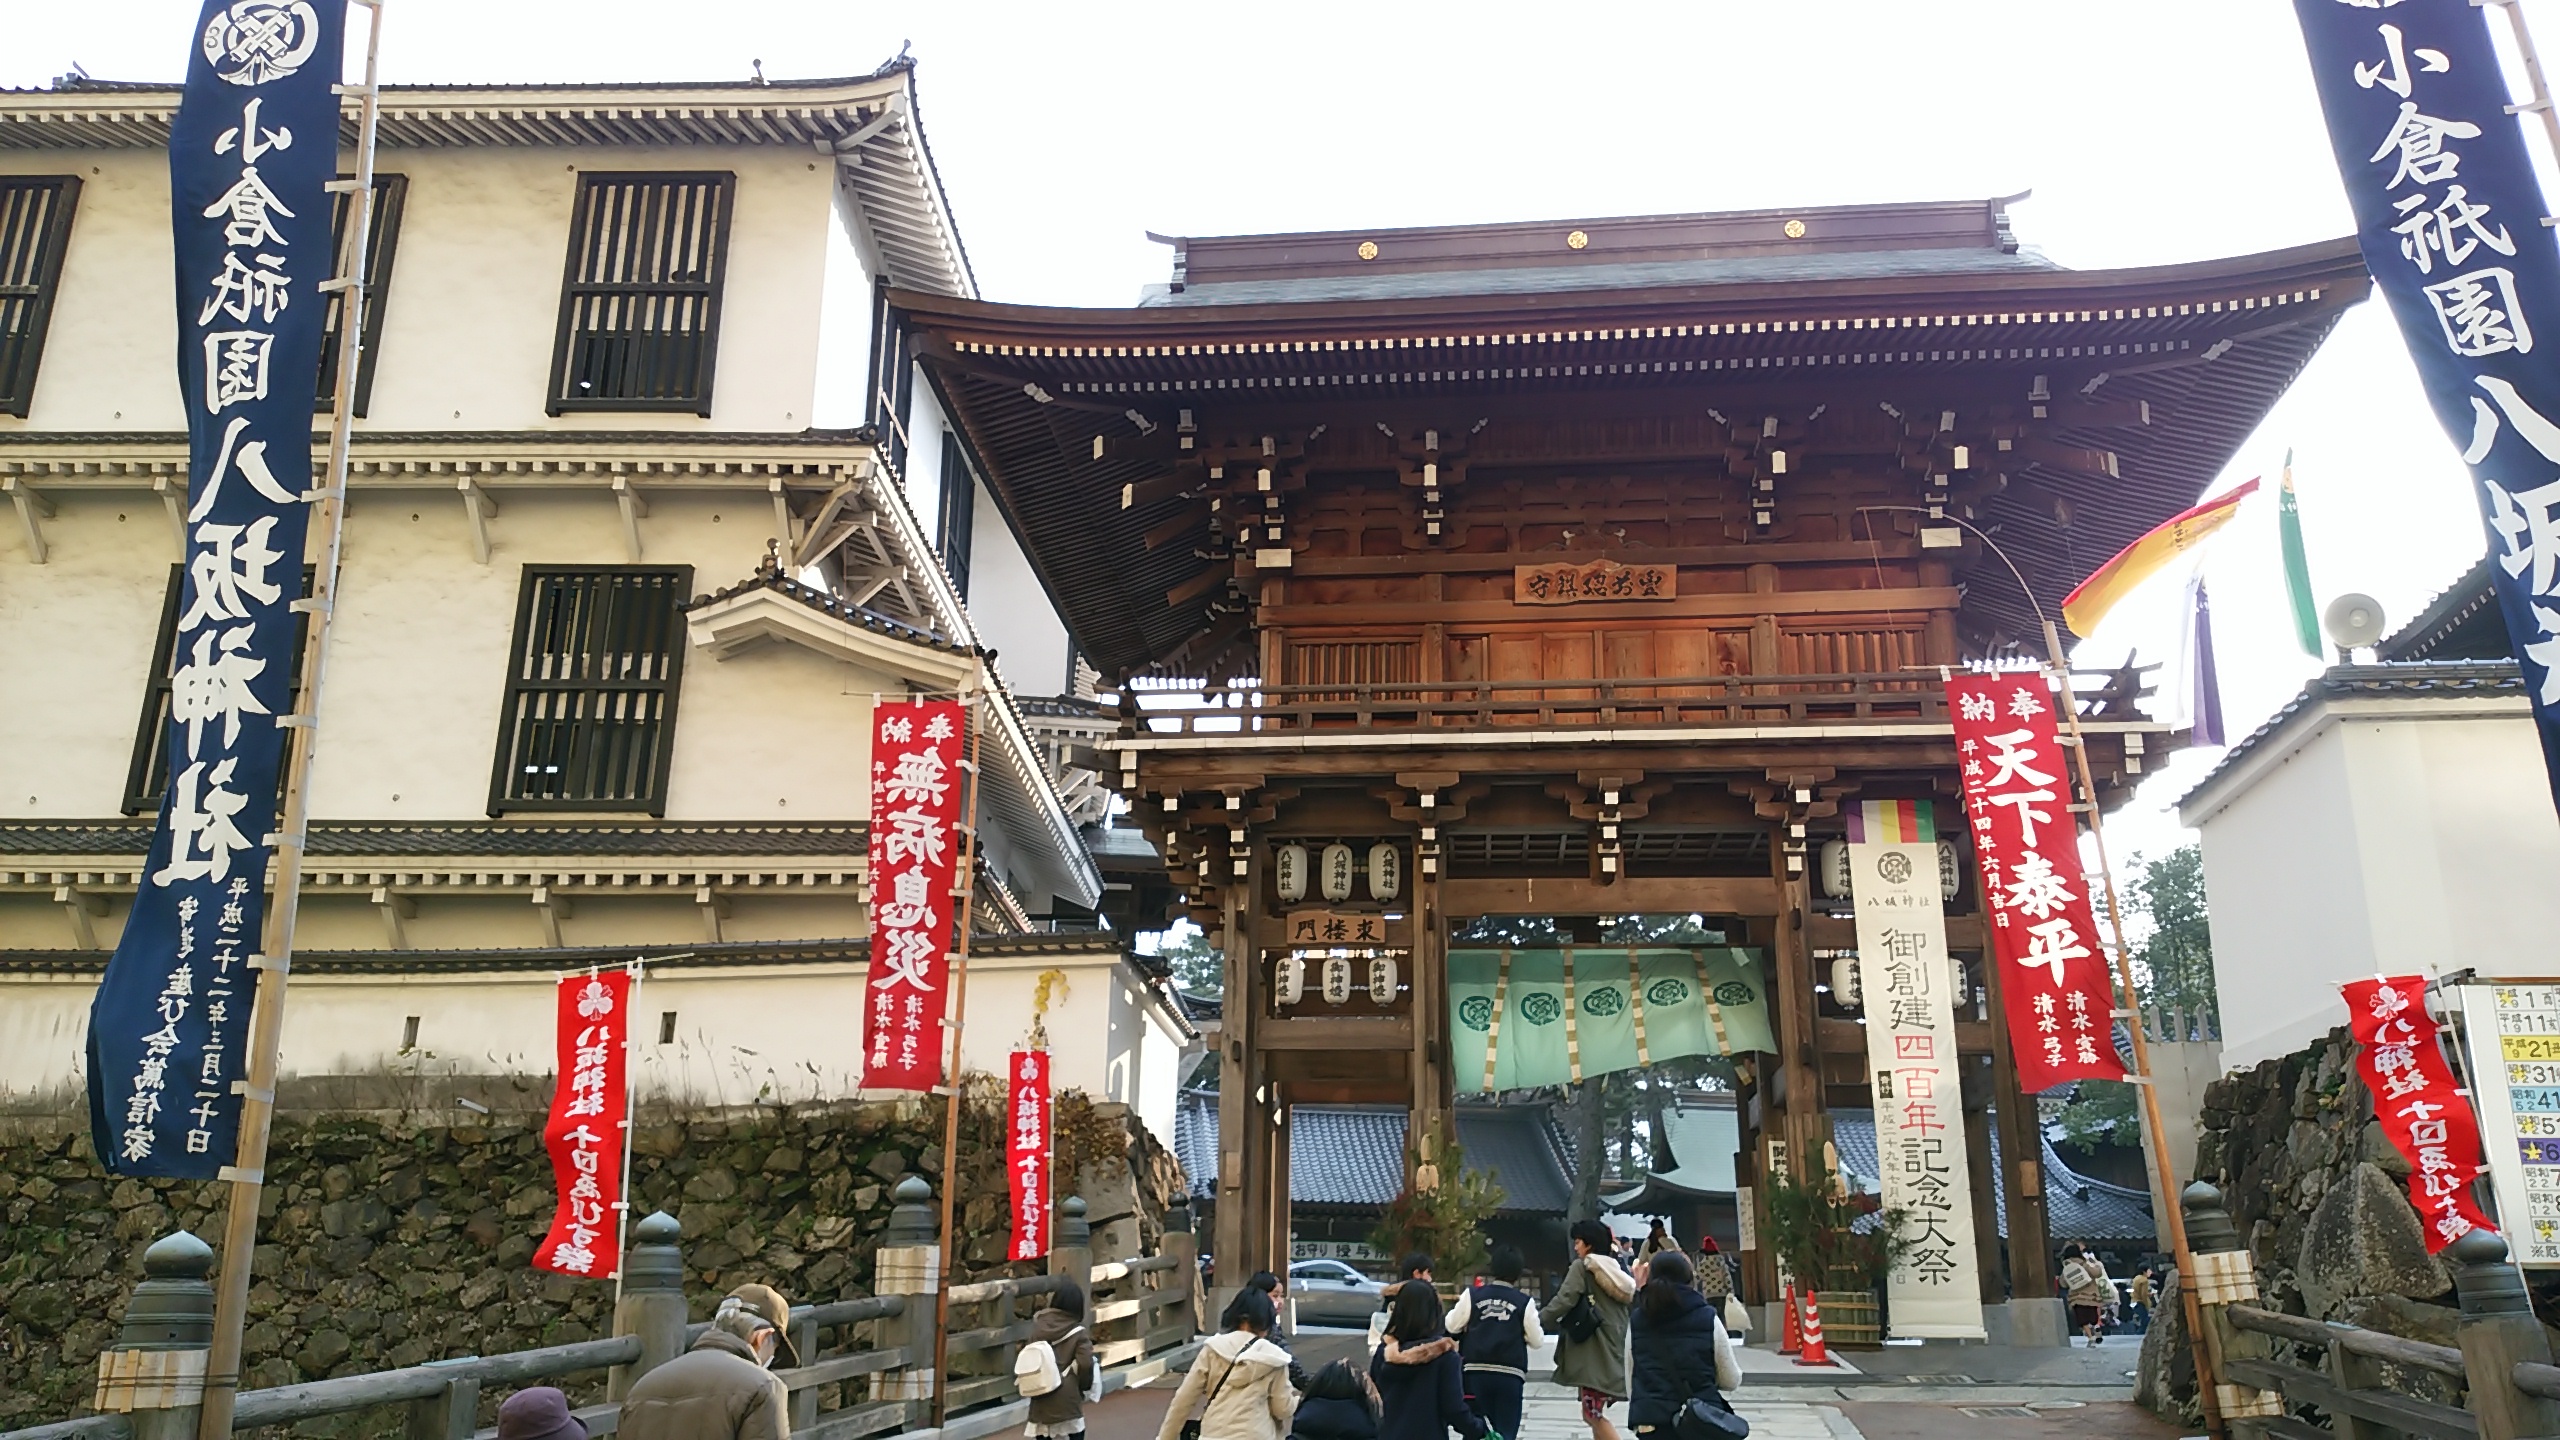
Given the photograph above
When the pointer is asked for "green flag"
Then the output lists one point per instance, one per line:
(2297, 567)
(1628, 1005)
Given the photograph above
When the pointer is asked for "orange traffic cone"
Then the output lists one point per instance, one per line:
(1814, 1351)
(1791, 1334)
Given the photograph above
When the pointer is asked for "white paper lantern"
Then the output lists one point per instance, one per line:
(1290, 980)
(1337, 980)
(1835, 869)
(1844, 982)
(1950, 870)
(1382, 981)
(1337, 872)
(1386, 871)
(1289, 872)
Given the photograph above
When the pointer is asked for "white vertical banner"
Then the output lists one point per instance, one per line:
(1907, 984)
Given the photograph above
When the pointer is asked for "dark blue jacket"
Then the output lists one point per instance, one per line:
(1425, 1401)
(1671, 1361)
(1322, 1417)
(1496, 1336)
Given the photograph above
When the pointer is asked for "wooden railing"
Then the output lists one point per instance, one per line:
(2497, 1384)
(1893, 697)
(867, 1365)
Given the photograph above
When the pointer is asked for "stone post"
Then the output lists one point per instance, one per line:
(1071, 1251)
(2497, 1331)
(1179, 1240)
(652, 1304)
(909, 1263)
(154, 1373)
(2226, 1274)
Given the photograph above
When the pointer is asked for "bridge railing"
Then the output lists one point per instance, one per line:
(866, 1365)
(2497, 1384)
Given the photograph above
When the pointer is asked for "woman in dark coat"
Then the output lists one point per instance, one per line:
(1420, 1379)
(1339, 1404)
(1677, 1346)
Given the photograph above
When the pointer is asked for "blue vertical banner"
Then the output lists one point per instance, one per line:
(251, 154)
(2450, 218)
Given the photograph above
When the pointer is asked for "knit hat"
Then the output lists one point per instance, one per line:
(540, 1413)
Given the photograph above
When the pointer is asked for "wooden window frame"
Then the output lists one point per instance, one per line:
(583, 221)
(956, 523)
(390, 203)
(36, 278)
(145, 781)
(514, 745)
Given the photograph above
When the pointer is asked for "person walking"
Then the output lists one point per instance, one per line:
(1339, 1403)
(1420, 1380)
(1656, 1240)
(2141, 1302)
(1591, 1343)
(723, 1388)
(1238, 1388)
(1059, 1413)
(1268, 1285)
(1416, 1267)
(1677, 1347)
(2087, 1290)
(1497, 1327)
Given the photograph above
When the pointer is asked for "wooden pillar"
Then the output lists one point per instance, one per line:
(1763, 580)
(1276, 1206)
(2021, 1155)
(1978, 1090)
(1237, 1064)
(1805, 1123)
(1428, 1064)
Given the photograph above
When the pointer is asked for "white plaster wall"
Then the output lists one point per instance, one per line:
(75, 651)
(1011, 609)
(742, 1033)
(844, 328)
(2394, 843)
(473, 306)
(925, 427)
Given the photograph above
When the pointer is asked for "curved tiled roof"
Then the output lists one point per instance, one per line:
(333, 838)
(2076, 1207)
(1354, 1154)
(680, 956)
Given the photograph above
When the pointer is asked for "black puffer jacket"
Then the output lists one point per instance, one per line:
(1423, 1396)
(1675, 1359)
(1322, 1417)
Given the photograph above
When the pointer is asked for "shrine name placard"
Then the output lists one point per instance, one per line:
(1341, 927)
(1596, 580)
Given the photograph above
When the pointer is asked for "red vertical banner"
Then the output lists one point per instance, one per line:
(1027, 1152)
(2420, 1104)
(589, 1108)
(915, 856)
(2017, 798)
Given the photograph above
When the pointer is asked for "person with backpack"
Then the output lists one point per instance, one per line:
(1238, 1388)
(1678, 1347)
(2086, 1288)
(1589, 1316)
(1055, 1369)
(1339, 1403)
(1421, 1382)
(1497, 1327)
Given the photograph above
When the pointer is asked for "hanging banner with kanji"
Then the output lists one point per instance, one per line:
(2054, 981)
(2449, 216)
(251, 152)
(2415, 1096)
(590, 1106)
(1027, 1151)
(915, 853)
(1910, 987)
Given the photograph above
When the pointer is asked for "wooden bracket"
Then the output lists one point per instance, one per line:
(478, 508)
(634, 509)
(32, 507)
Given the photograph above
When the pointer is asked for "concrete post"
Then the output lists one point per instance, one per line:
(2226, 1274)
(909, 1263)
(1071, 1251)
(2498, 1331)
(1179, 1240)
(652, 1304)
(154, 1373)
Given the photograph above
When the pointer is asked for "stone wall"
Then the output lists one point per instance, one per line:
(387, 1239)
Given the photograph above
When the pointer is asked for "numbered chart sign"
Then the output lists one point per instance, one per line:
(2511, 1031)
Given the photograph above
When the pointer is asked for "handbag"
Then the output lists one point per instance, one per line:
(1191, 1428)
(1582, 1321)
(1708, 1417)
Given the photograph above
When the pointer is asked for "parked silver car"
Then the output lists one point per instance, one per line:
(1329, 1292)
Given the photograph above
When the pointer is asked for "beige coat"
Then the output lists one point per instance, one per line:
(715, 1391)
(2085, 1282)
(1253, 1403)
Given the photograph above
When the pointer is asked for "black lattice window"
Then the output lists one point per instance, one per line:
(148, 776)
(589, 719)
(959, 509)
(640, 307)
(382, 243)
(35, 230)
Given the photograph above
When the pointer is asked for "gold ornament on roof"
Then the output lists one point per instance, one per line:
(1576, 240)
(1795, 229)
(1368, 249)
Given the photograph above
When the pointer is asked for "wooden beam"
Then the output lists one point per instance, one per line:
(1337, 1032)
(1739, 606)
(1183, 522)
(1208, 578)
(1429, 562)
(1580, 895)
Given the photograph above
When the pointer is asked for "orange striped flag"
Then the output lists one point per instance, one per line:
(2084, 607)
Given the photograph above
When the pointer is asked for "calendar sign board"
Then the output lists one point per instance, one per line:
(2511, 1031)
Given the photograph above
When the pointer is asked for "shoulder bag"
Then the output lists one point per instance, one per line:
(1708, 1417)
(1191, 1427)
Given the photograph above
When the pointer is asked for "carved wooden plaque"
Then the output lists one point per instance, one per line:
(1340, 927)
(1596, 580)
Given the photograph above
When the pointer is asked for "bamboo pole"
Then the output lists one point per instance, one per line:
(956, 1008)
(247, 1172)
(2173, 1220)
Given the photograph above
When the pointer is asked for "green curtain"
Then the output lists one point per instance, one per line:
(1703, 1001)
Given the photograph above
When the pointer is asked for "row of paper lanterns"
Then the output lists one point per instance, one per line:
(1834, 860)
(1290, 980)
(1336, 868)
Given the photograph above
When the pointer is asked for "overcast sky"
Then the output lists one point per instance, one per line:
(2165, 131)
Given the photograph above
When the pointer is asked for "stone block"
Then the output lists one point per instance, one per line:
(2364, 1240)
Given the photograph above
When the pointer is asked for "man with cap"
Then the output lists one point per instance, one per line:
(721, 1389)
